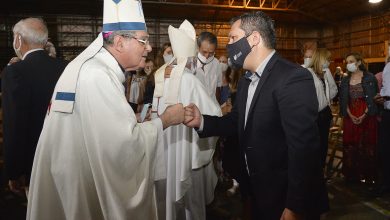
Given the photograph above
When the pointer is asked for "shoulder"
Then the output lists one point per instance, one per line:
(369, 77)
(190, 80)
(15, 70)
(293, 71)
(93, 70)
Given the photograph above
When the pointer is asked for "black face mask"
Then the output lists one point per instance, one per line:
(238, 51)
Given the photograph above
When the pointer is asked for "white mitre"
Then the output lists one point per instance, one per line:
(118, 15)
(183, 42)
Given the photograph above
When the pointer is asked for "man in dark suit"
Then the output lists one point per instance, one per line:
(275, 119)
(27, 87)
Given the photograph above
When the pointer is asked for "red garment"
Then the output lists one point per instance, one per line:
(359, 143)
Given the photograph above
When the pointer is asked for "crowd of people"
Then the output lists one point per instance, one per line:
(115, 134)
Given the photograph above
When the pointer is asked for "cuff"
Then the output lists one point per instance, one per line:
(200, 129)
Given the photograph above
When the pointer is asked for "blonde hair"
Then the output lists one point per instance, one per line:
(320, 56)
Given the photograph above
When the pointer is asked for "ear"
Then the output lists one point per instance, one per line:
(118, 43)
(256, 38)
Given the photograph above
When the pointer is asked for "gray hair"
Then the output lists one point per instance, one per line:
(50, 49)
(32, 30)
(108, 41)
(260, 22)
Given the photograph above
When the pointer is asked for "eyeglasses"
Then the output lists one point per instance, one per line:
(142, 41)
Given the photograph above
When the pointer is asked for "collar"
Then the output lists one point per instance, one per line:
(120, 66)
(110, 61)
(30, 51)
(253, 77)
(263, 64)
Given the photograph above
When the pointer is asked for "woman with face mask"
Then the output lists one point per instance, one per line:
(326, 90)
(357, 106)
(164, 56)
(147, 88)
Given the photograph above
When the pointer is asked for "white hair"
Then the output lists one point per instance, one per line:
(32, 30)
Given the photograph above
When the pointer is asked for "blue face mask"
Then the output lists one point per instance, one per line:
(238, 51)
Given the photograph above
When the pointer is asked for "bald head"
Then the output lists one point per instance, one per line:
(33, 31)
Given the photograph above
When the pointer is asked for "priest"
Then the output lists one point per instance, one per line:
(93, 160)
(189, 182)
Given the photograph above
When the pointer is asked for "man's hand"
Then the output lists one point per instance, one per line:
(379, 99)
(17, 186)
(192, 117)
(13, 60)
(290, 215)
(167, 72)
(172, 115)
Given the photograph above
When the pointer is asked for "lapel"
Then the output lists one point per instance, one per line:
(242, 102)
(264, 76)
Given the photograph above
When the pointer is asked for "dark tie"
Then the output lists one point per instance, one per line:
(248, 75)
(203, 64)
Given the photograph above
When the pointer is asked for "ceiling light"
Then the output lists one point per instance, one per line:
(374, 1)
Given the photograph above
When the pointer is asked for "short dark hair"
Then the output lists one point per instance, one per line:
(260, 22)
(210, 37)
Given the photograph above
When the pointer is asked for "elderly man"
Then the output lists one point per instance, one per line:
(93, 160)
(275, 119)
(27, 87)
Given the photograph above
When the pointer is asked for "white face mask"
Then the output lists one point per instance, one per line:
(17, 50)
(224, 67)
(325, 65)
(306, 61)
(148, 70)
(351, 67)
(205, 60)
(167, 57)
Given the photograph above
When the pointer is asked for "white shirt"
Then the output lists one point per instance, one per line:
(211, 77)
(385, 91)
(254, 81)
(324, 96)
(252, 87)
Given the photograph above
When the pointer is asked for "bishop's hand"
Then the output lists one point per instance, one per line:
(192, 116)
(172, 115)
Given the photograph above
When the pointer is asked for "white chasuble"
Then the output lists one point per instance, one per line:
(190, 176)
(98, 162)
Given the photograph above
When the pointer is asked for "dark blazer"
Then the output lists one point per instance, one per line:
(280, 140)
(27, 87)
(370, 89)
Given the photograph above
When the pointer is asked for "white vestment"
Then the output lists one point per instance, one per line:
(98, 162)
(190, 175)
(210, 76)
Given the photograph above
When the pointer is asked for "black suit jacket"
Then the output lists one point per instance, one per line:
(27, 87)
(280, 140)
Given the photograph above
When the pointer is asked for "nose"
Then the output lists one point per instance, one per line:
(148, 48)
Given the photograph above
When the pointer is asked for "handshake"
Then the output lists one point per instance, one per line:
(177, 114)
